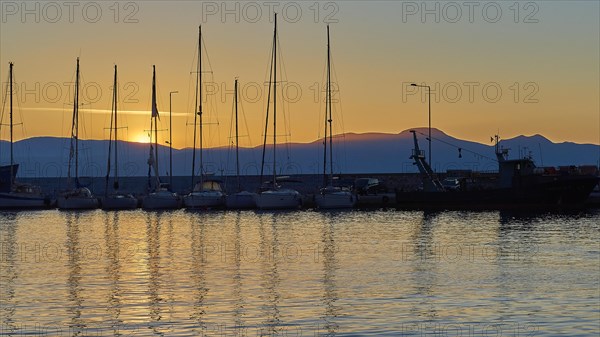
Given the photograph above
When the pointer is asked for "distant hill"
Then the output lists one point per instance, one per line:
(353, 153)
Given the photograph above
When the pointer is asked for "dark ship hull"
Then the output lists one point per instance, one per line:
(520, 185)
(6, 178)
(527, 192)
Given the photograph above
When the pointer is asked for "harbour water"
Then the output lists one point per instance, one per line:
(300, 273)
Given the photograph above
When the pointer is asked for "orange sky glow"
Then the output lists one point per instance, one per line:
(529, 68)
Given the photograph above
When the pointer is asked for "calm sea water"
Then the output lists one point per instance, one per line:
(379, 273)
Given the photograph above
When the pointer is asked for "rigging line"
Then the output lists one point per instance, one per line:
(207, 59)
(320, 99)
(7, 89)
(338, 92)
(19, 110)
(322, 113)
(190, 105)
(267, 114)
(458, 147)
(249, 144)
(340, 139)
(230, 141)
(339, 113)
(282, 101)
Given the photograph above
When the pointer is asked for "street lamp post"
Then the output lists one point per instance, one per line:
(428, 99)
(171, 139)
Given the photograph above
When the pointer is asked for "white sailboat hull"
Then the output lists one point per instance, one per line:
(204, 199)
(278, 199)
(241, 200)
(22, 200)
(80, 198)
(119, 201)
(335, 200)
(77, 202)
(161, 200)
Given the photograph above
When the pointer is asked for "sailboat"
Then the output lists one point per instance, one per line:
(18, 195)
(115, 200)
(77, 197)
(331, 196)
(271, 195)
(161, 197)
(241, 199)
(207, 193)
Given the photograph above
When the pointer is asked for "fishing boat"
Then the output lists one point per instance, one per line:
(116, 199)
(241, 199)
(330, 196)
(520, 184)
(160, 197)
(271, 195)
(16, 195)
(76, 196)
(206, 193)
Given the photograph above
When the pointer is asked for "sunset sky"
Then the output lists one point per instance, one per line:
(525, 68)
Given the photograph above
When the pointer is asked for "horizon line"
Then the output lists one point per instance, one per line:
(343, 135)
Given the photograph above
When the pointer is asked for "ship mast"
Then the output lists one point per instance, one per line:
(75, 132)
(11, 127)
(198, 114)
(115, 100)
(275, 103)
(155, 117)
(113, 126)
(237, 141)
(328, 121)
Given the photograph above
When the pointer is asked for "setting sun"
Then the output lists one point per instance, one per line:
(141, 138)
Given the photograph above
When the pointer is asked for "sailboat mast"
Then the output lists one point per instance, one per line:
(200, 105)
(76, 124)
(330, 120)
(264, 150)
(326, 116)
(237, 140)
(11, 126)
(275, 103)
(115, 100)
(110, 136)
(196, 104)
(155, 116)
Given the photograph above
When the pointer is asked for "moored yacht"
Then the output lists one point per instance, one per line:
(272, 196)
(13, 194)
(77, 197)
(331, 196)
(206, 194)
(116, 199)
(241, 199)
(161, 197)
(335, 197)
(276, 197)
